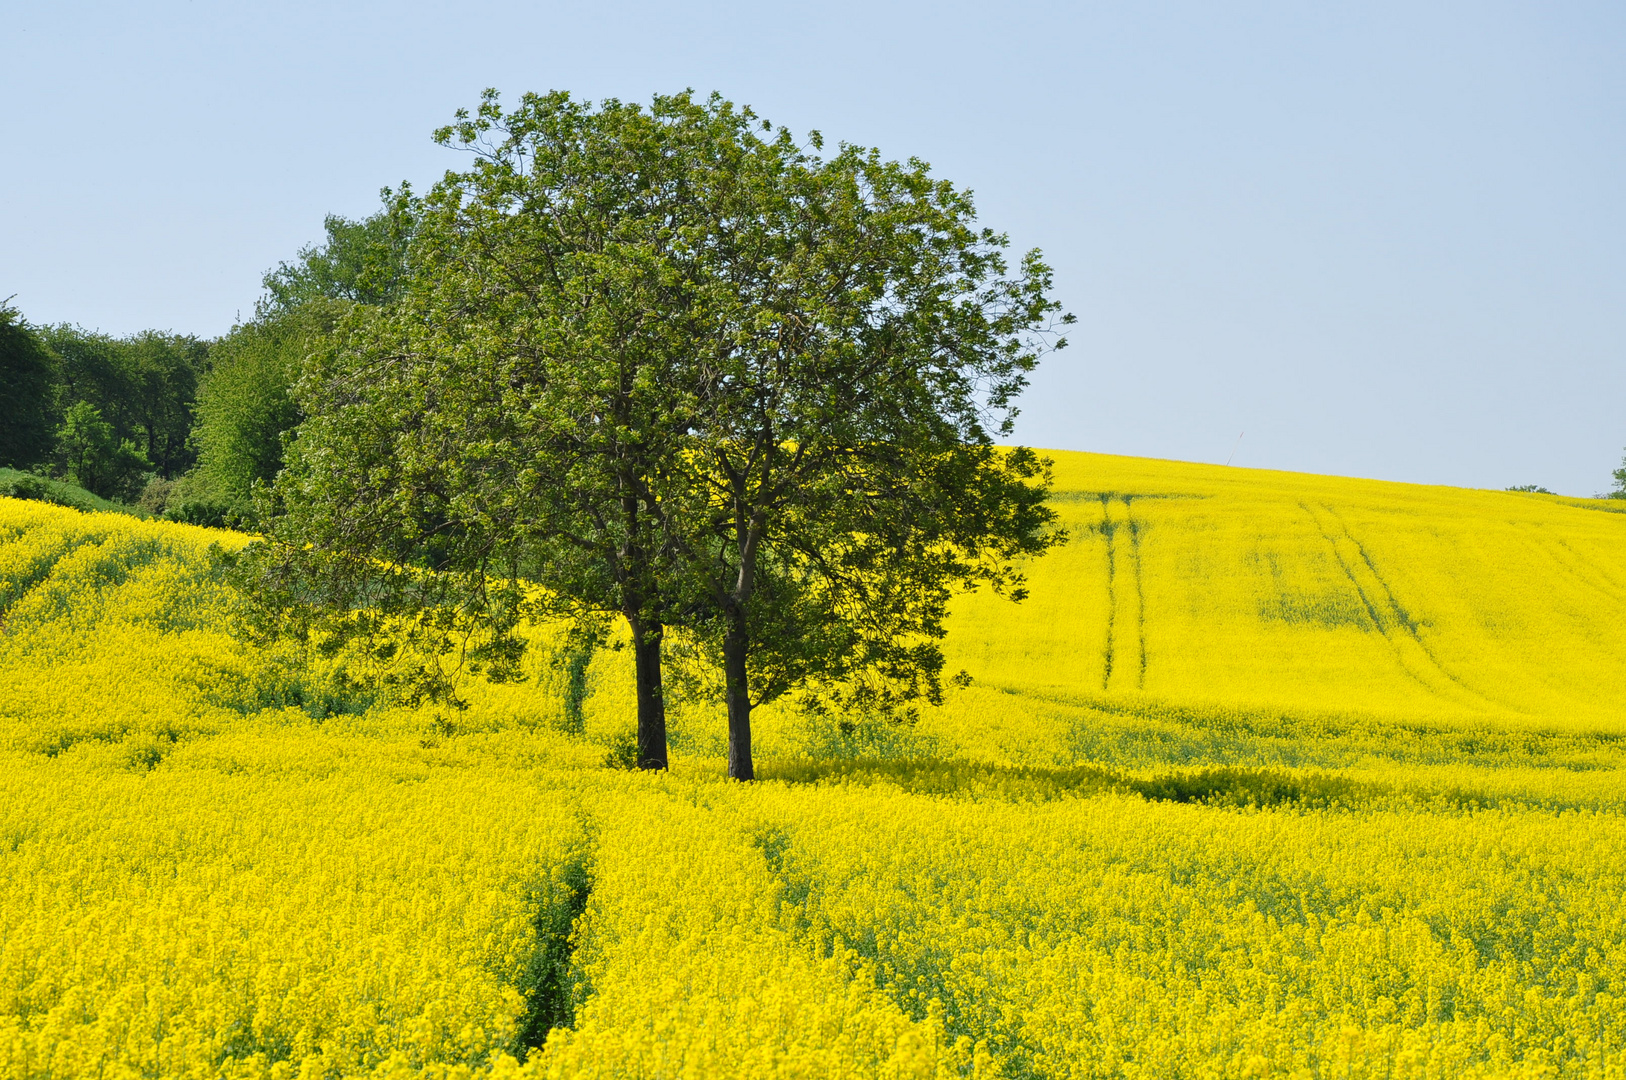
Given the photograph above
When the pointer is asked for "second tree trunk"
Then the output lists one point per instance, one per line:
(737, 692)
(646, 652)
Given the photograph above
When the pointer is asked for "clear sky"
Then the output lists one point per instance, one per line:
(1383, 239)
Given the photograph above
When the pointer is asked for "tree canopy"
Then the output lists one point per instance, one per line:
(361, 261)
(96, 458)
(246, 407)
(143, 386)
(671, 364)
(869, 344)
(28, 374)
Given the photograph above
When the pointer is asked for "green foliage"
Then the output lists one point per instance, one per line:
(95, 457)
(143, 386)
(24, 485)
(670, 364)
(21, 485)
(247, 408)
(858, 342)
(362, 261)
(204, 511)
(28, 374)
(521, 412)
(1619, 491)
(1533, 489)
(154, 497)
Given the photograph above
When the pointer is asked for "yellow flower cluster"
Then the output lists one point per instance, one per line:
(112, 627)
(692, 966)
(1271, 776)
(198, 922)
(1118, 937)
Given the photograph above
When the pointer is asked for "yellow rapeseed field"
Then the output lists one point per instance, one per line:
(1272, 775)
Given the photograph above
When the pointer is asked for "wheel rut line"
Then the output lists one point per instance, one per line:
(1140, 598)
(1107, 530)
(1126, 588)
(19, 588)
(1395, 614)
(1577, 567)
(1619, 587)
(1410, 624)
(1401, 613)
(1349, 573)
(550, 1001)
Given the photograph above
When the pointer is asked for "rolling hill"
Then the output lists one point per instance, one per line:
(1271, 775)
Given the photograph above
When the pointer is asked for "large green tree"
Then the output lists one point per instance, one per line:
(522, 411)
(670, 364)
(96, 459)
(27, 379)
(870, 345)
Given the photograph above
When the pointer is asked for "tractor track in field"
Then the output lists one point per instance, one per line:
(1575, 565)
(1388, 614)
(1140, 601)
(1125, 589)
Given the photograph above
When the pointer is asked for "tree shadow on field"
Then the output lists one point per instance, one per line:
(1226, 786)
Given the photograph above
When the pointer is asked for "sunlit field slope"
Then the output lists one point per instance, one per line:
(1212, 599)
(1260, 589)
(1271, 775)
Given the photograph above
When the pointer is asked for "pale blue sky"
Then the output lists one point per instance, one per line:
(1384, 239)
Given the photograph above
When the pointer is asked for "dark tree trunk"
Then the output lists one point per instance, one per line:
(646, 653)
(738, 694)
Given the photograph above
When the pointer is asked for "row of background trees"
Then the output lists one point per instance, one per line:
(183, 426)
(173, 424)
(105, 413)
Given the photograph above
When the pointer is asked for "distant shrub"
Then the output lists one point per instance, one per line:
(207, 513)
(155, 496)
(25, 486)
